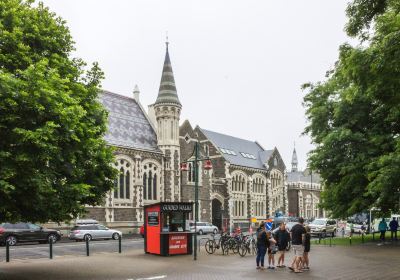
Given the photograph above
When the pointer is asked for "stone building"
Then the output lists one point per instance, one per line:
(246, 180)
(304, 191)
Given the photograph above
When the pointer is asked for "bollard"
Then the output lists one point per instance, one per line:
(373, 235)
(330, 242)
(119, 244)
(51, 247)
(7, 251)
(319, 238)
(87, 247)
(350, 239)
(362, 238)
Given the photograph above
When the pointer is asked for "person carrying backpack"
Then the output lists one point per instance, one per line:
(262, 245)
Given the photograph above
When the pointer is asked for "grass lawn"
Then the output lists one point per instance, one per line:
(356, 239)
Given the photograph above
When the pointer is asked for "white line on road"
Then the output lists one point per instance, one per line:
(151, 278)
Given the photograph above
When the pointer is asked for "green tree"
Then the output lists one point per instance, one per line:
(53, 158)
(354, 116)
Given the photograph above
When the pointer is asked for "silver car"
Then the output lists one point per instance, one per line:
(89, 232)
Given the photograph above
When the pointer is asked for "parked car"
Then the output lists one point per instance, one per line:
(323, 227)
(95, 231)
(203, 228)
(26, 232)
(141, 231)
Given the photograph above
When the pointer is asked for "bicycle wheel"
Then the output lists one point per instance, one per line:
(210, 247)
(242, 249)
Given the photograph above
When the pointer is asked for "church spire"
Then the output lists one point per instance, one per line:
(294, 159)
(167, 92)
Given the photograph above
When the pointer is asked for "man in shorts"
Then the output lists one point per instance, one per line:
(297, 234)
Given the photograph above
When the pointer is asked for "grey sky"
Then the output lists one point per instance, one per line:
(238, 65)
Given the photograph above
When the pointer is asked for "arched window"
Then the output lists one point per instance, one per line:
(149, 189)
(150, 176)
(154, 187)
(145, 186)
(123, 183)
(127, 185)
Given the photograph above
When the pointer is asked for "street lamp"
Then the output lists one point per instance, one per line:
(184, 167)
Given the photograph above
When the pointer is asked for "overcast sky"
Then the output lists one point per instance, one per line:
(238, 65)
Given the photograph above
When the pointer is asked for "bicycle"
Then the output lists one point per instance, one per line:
(212, 245)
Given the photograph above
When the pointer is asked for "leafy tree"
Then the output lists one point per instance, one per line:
(354, 116)
(53, 159)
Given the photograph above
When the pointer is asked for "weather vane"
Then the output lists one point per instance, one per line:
(166, 42)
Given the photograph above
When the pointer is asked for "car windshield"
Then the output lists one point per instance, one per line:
(318, 222)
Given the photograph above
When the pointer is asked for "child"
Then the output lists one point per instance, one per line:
(271, 251)
(307, 245)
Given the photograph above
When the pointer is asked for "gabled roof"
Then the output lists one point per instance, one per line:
(303, 176)
(239, 146)
(127, 124)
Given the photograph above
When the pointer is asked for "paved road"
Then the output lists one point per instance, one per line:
(368, 261)
(34, 251)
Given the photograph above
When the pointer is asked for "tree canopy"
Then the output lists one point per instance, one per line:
(53, 158)
(354, 116)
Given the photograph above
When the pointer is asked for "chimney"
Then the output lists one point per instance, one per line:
(136, 93)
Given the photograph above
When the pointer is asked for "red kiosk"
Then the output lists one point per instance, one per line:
(165, 228)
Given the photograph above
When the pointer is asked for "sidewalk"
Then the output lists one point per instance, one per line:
(356, 262)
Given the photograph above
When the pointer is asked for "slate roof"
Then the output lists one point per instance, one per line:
(128, 126)
(239, 145)
(303, 176)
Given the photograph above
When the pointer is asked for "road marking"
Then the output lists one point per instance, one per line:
(71, 245)
(151, 278)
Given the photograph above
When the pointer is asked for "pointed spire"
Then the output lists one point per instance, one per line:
(294, 159)
(167, 92)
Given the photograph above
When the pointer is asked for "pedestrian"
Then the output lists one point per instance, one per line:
(297, 235)
(282, 238)
(382, 228)
(351, 226)
(343, 230)
(307, 246)
(393, 225)
(262, 244)
(271, 250)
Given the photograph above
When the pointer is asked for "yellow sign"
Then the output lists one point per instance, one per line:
(254, 220)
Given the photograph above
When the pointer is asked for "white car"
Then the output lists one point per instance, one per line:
(203, 227)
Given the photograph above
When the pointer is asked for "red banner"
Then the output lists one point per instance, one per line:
(177, 244)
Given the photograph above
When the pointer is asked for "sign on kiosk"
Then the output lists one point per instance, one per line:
(177, 244)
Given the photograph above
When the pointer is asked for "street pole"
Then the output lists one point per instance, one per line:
(196, 196)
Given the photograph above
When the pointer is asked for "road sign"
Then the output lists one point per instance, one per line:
(254, 220)
(268, 226)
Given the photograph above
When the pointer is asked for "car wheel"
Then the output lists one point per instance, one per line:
(201, 232)
(115, 236)
(11, 240)
(52, 237)
(87, 237)
(215, 231)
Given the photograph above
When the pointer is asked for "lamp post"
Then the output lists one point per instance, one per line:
(184, 167)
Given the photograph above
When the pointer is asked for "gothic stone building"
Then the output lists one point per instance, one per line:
(246, 181)
(304, 192)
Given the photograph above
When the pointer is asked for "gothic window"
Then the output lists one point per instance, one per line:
(122, 183)
(145, 186)
(206, 150)
(191, 173)
(155, 187)
(127, 185)
(149, 190)
(150, 177)
(172, 130)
